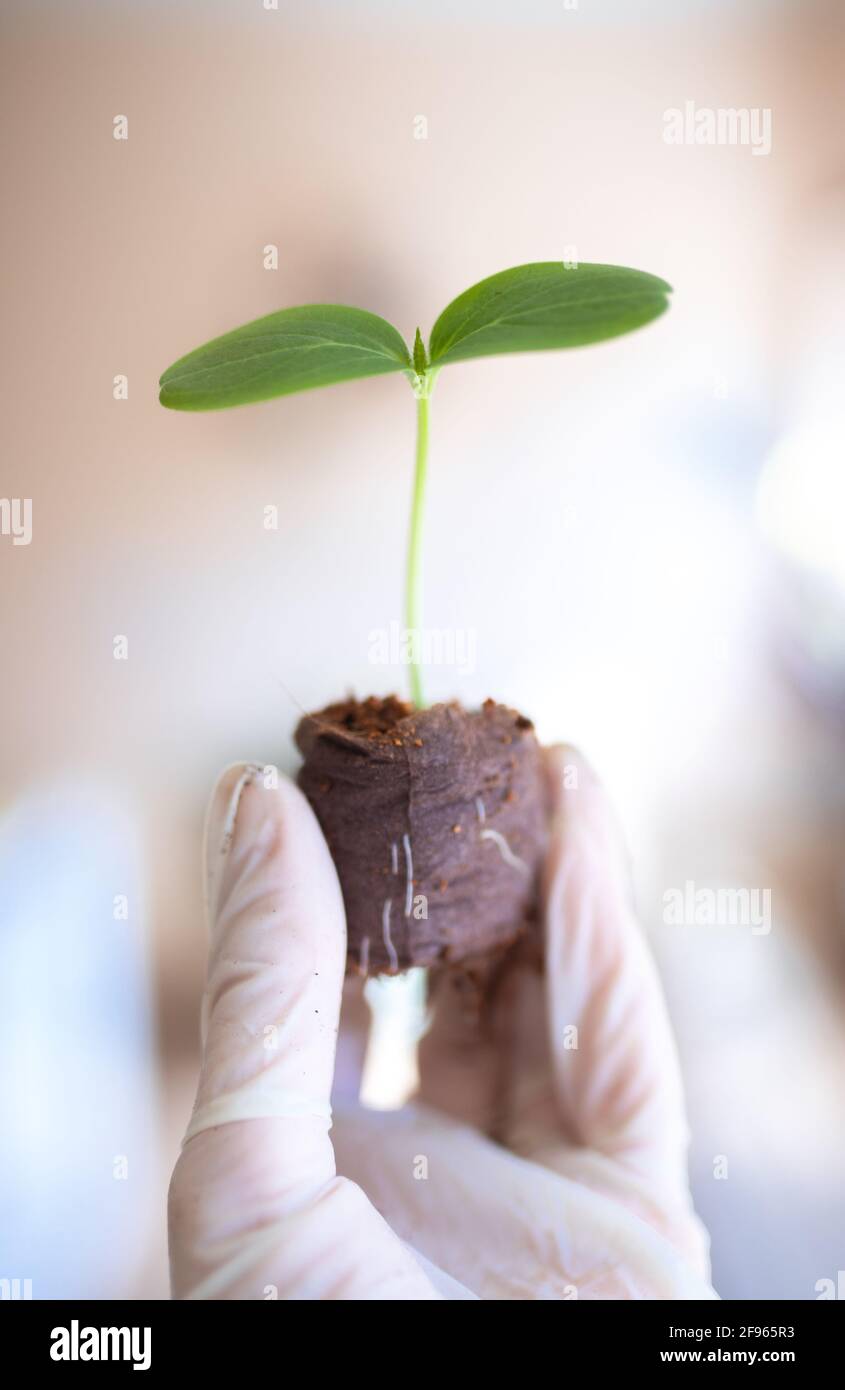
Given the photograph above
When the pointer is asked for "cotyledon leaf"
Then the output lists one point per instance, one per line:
(291, 350)
(545, 305)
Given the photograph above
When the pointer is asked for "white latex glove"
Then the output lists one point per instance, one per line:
(582, 1193)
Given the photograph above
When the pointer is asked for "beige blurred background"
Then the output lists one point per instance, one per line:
(645, 537)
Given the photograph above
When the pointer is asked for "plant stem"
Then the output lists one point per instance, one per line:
(413, 582)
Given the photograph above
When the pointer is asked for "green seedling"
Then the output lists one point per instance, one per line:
(531, 308)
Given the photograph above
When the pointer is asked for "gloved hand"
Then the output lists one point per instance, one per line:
(582, 1193)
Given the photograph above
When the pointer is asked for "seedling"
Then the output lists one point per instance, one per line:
(530, 308)
(427, 812)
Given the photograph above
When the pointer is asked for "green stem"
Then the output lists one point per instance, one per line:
(413, 582)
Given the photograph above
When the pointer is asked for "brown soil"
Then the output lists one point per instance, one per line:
(436, 821)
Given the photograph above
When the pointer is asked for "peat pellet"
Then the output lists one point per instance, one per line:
(437, 823)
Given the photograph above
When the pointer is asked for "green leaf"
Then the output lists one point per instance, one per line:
(292, 350)
(536, 307)
(420, 362)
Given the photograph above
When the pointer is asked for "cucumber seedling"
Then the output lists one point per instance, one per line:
(425, 810)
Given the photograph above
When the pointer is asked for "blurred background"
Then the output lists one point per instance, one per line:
(646, 538)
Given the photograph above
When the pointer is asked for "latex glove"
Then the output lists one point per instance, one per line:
(583, 1191)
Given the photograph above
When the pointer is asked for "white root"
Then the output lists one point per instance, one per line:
(388, 939)
(409, 875)
(506, 852)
